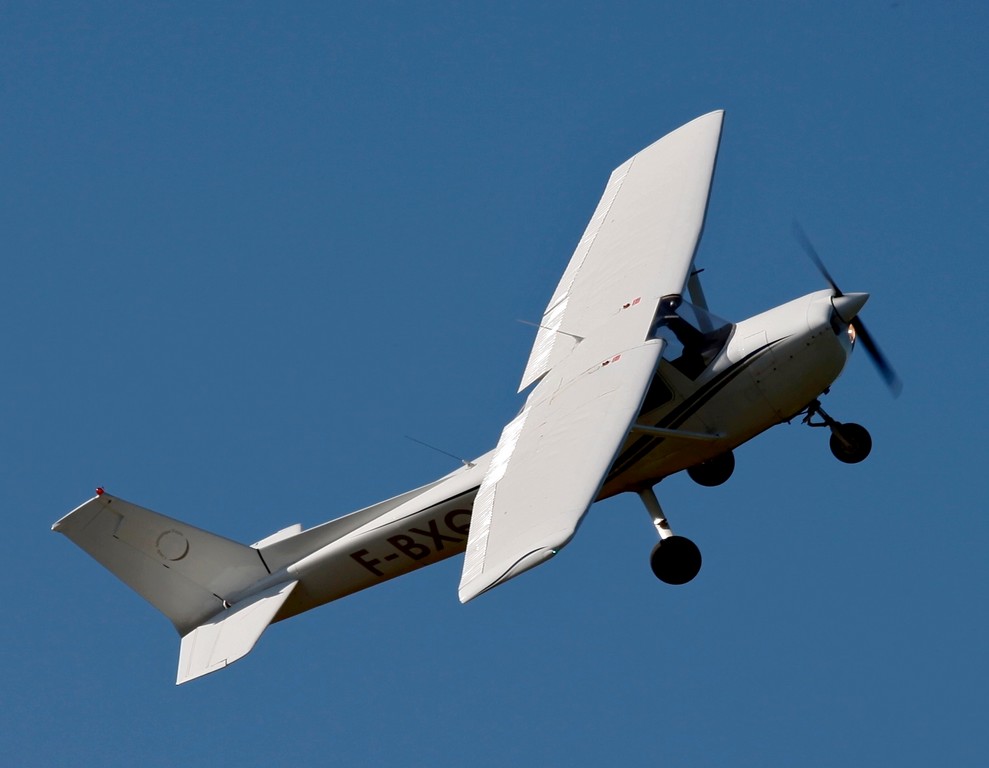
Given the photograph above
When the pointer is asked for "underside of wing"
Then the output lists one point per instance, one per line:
(552, 458)
(593, 358)
(639, 244)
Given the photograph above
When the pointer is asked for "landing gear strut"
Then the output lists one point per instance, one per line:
(850, 443)
(675, 559)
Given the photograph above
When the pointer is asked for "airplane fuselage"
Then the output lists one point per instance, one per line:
(767, 370)
(627, 383)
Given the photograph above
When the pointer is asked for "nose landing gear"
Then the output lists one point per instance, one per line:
(849, 443)
(675, 559)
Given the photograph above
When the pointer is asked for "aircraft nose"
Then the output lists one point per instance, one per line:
(848, 305)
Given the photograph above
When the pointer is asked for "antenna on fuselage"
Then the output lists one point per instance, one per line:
(463, 461)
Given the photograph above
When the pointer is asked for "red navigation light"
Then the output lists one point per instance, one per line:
(100, 491)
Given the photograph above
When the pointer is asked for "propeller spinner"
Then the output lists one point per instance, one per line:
(848, 306)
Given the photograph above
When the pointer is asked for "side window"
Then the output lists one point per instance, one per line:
(694, 337)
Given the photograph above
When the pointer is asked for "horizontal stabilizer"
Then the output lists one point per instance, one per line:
(231, 635)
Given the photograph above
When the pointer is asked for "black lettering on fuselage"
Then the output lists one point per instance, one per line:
(463, 528)
(369, 564)
(419, 543)
(409, 546)
(434, 534)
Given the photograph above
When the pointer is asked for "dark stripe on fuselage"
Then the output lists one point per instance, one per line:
(645, 444)
(416, 512)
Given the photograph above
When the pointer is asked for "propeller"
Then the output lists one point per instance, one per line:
(879, 360)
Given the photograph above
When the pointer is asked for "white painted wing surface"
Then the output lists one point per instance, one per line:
(593, 357)
(552, 458)
(640, 242)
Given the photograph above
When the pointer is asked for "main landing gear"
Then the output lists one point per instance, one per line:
(713, 471)
(850, 443)
(675, 559)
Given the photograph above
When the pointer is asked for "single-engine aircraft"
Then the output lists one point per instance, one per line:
(629, 382)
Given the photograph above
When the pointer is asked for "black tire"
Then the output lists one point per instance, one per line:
(850, 443)
(713, 471)
(675, 560)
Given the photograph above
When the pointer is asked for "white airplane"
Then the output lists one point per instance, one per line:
(629, 383)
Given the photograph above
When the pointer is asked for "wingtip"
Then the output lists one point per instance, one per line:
(479, 584)
(714, 113)
(59, 525)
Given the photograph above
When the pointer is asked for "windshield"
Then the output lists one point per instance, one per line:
(693, 335)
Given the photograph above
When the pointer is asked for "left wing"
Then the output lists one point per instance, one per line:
(593, 357)
(552, 458)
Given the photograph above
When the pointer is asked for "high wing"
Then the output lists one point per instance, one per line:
(640, 240)
(593, 357)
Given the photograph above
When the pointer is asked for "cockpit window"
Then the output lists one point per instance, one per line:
(694, 337)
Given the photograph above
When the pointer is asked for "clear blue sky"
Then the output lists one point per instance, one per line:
(246, 247)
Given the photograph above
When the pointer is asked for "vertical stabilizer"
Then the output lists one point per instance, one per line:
(183, 571)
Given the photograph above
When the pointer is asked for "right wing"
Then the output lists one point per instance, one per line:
(639, 242)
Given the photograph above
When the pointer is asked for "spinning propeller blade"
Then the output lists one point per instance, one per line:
(811, 251)
(879, 360)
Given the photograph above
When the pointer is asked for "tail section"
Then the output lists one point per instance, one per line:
(220, 595)
(188, 574)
